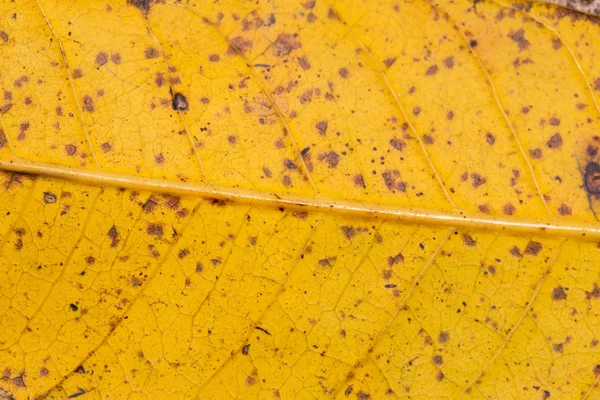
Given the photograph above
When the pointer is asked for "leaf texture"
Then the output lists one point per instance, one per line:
(366, 199)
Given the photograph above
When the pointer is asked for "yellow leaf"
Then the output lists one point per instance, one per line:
(370, 199)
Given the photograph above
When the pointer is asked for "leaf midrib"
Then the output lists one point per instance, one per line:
(411, 215)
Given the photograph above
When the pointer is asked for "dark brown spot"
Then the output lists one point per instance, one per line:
(4, 36)
(363, 396)
(214, 58)
(398, 144)
(239, 44)
(321, 127)
(558, 293)
(437, 360)
(429, 139)
(115, 58)
(450, 116)
(555, 141)
(389, 61)
(592, 150)
(591, 178)
(525, 110)
(114, 235)
(90, 260)
(349, 232)
(49, 198)
(593, 294)
(416, 111)
(250, 381)
(558, 347)
(509, 209)
(432, 70)
(77, 73)
(88, 103)
(289, 164)
(468, 240)
(478, 180)
(101, 58)
(348, 391)
(150, 52)
(554, 121)
(155, 229)
(597, 84)
(331, 158)
(564, 210)
(179, 102)
(533, 248)
(285, 43)
(535, 153)
(246, 349)
(491, 139)
(159, 158)
(440, 376)
(304, 63)
(449, 62)
(71, 149)
(472, 43)
(18, 381)
(518, 37)
(326, 262)
(344, 73)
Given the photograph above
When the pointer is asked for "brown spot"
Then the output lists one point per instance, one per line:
(90, 260)
(363, 396)
(246, 349)
(331, 158)
(115, 58)
(432, 70)
(155, 229)
(250, 381)
(44, 371)
(556, 44)
(159, 158)
(449, 62)
(18, 381)
(440, 376)
(88, 103)
(49, 198)
(344, 73)
(554, 121)
(597, 84)
(533, 248)
(239, 44)
(390, 177)
(389, 61)
(114, 235)
(214, 58)
(150, 52)
(304, 63)
(4, 36)
(478, 180)
(359, 180)
(398, 258)
(491, 139)
(70, 149)
(468, 240)
(5, 108)
(535, 153)
(416, 111)
(321, 127)
(349, 232)
(437, 360)
(514, 251)
(429, 139)
(509, 209)
(398, 144)
(289, 164)
(101, 58)
(443, 337)
(59, 110)
(348, 391)
(592, 150)
(518, 37)
(179, 102)
(106, 147)
(450, 116)
(285, 43)
(591, 178)
(77, 73)
(564, 210)
(326, 262)
(594, 294)
(555, 141)
(232, 139)
(558, 293)
(160, 79)
(525, 110)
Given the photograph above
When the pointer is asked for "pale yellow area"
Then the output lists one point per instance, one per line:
(298, 200)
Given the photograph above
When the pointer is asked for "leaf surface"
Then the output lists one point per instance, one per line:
(368, 199)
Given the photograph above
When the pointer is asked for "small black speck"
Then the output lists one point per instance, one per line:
(473, 43)
(73, 307)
